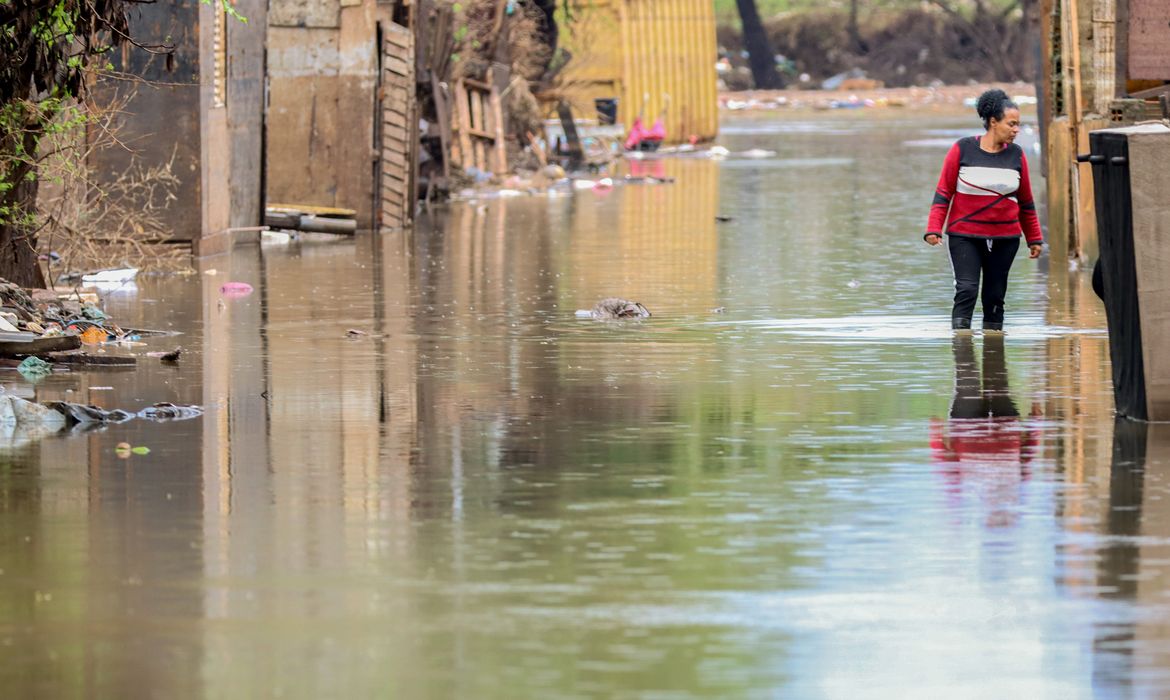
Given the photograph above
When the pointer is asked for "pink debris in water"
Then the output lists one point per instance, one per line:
(236, 289)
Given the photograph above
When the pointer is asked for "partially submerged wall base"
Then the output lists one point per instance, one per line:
(1133, 216)
(1149, 154)
(329, 105)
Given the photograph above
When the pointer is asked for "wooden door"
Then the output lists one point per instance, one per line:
(398, 128)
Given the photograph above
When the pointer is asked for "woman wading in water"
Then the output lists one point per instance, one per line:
(982, 204)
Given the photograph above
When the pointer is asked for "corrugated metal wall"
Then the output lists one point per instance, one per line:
(642, 51)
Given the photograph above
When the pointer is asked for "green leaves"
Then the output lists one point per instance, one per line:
(228, 8)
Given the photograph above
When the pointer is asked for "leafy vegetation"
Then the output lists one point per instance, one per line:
(49, 49)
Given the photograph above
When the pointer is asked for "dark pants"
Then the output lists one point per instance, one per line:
(986, 396)
(969, 258)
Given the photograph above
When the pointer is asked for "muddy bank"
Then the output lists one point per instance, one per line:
(915, 46)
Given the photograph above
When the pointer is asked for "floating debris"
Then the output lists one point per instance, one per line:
(119, 276)
(81, 414)
(168, 356)
(235, 290)
(34, 368)
(166, 411)
(614, 308)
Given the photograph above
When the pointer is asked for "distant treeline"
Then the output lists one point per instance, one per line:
(898, 43)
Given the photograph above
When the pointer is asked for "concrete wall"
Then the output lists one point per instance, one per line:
(172, 113)
(323, 80)
(1148, 36)
(160, 117)
(247, 52)
(1149, 152)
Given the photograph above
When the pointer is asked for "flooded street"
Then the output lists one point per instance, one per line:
(783, 484)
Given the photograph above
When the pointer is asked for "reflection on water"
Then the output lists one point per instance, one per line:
(816, 492)
(984, 444)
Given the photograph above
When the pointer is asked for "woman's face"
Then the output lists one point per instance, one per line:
(1005, 130)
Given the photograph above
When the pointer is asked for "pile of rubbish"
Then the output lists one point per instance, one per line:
(53, 323)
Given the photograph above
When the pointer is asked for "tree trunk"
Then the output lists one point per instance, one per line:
(859, 44)
(761, 58)
(18, 242)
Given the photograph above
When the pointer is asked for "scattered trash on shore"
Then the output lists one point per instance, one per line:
(45, 324)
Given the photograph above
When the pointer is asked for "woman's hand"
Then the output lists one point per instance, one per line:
(934, 239)
(1034, 250)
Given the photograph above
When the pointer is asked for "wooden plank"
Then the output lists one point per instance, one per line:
(397, 39)
(497, 121)
(391, 83)
(389, 184)
(396, 101)
(396, 179)
(395, 158)
(1079, 137)
(397, 146)
(399, 124)
(463, 116)
(396, 65)
(31, 344)
(395, 131)
(442, 113)
(477, 123)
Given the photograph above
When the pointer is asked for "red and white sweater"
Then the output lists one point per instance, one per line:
(988, 195)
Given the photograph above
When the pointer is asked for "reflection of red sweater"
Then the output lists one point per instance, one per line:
(988, 441)
(988, 195)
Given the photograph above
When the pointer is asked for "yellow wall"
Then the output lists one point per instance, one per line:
(640, 50)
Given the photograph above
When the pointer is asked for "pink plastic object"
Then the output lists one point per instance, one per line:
(657, 132)
(637, 133)
(236, 289)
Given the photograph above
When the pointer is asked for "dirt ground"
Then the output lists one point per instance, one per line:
(941, 100)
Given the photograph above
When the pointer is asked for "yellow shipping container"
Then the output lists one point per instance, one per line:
(650, 55)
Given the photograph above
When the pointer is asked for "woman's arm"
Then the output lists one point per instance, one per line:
(1029, 222)
(947, 183)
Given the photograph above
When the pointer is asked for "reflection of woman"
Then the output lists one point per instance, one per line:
(983, 439)
(983, 201)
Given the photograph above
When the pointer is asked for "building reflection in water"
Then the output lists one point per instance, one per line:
(325, 450)
(1130, 569)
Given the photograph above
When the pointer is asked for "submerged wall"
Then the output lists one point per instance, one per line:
(323, 71)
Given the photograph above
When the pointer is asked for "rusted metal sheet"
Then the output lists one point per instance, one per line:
(1149, 37)
(399, 124)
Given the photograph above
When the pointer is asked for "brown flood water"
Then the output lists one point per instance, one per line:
(488, 497)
